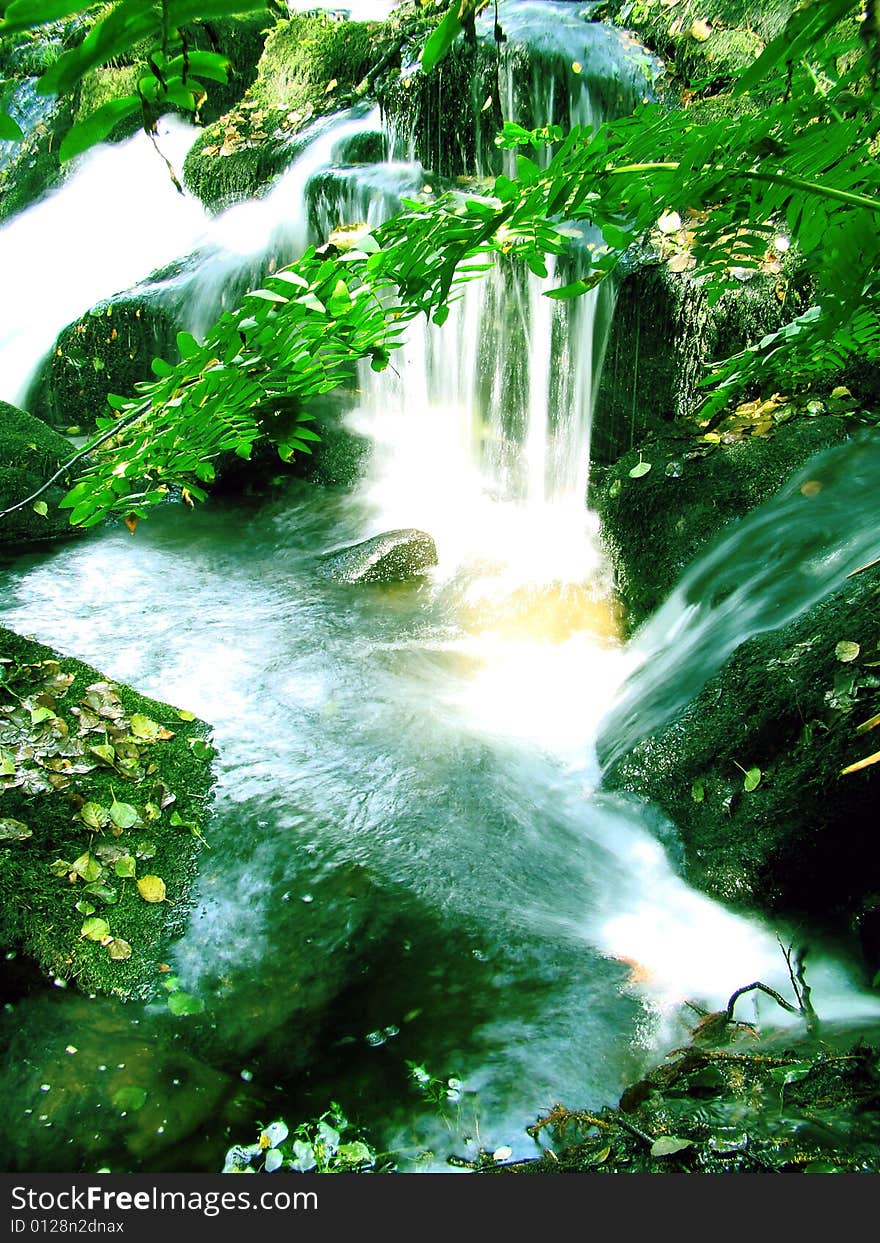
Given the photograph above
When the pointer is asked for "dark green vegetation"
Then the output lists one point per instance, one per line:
(104, 808)
(108, 350)
(794, 708)
(30, 452)
(747, 1110)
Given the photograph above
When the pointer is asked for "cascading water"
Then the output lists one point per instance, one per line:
(764, 571)
(410, 859)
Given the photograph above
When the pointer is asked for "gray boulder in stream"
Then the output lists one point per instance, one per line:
(392, 557)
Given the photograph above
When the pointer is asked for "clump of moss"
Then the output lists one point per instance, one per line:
(311, 66)
(107, 350)
(655, 522)
(30, 453)
(104, 799)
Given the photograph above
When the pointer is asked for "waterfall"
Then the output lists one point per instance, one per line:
(759, 574)
(117, 217)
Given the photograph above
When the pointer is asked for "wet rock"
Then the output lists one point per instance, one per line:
(113, 788)
(30, 453)
(654, 524)
(107, 350)
(664, 334)
(392, 557)
(790, 703)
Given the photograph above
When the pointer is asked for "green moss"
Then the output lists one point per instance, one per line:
(310, 66)
(653, 526)
(38, 908)
(30, 452)
(804, 842)
(663, 336)
(107, 350)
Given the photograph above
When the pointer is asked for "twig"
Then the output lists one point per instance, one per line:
(764, 988)
(77, 457)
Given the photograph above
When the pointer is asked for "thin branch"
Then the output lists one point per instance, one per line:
(763, 988)
(77, 457)
(755, 174)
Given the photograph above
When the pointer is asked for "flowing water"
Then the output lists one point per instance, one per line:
(412, 862)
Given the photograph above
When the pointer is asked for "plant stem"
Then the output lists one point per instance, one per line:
(755, 174)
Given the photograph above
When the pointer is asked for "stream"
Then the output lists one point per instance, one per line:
(413, 872)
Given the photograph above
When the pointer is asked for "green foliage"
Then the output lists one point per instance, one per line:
(171, 74)
(801, 164)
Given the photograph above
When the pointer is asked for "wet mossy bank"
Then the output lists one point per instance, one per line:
(792, 704)
(787, 1105)
(104, 807)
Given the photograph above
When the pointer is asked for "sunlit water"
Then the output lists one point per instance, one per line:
(411, 858)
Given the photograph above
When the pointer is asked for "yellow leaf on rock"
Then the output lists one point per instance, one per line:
(151, 888)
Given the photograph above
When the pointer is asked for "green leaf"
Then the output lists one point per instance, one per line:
(95, 929)
(94, 815)
(10, 130)
(669, 1145)
(97, 126)
(442, 39)
(87, 866)
(640, 470)
(123, 815)
(25, 14)
(104, 892)
(125, 866)
(41, 508)
(752, 780)
(846, 652)
(791, 1074)
(188, 345)
(85, 908)
(104, 752)
(181, 1003)
(698, 792)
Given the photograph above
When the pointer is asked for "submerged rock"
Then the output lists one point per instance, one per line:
(392, 557)
(113, 788)
(30, 453)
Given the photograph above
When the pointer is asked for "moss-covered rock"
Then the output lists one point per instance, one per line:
(31, 452)
(104, 797)
(788, 703)
(310, 66)
(654, 523)
(107, 350)
(704, 44)
(664, 335)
